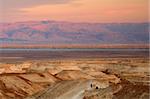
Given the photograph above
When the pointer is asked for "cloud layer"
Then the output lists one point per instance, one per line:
(27, 3)
(74, 10)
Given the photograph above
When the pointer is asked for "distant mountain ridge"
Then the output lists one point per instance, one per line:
(55, 32)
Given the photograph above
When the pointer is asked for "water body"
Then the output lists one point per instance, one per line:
(38, 54)
(74, 49)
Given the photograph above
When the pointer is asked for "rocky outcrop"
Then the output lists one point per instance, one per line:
(73, 75)
(132, 91)
(13, 86)
(22, 85)
(14, 68)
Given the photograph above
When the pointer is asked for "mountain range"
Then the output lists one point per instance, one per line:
(56, 32)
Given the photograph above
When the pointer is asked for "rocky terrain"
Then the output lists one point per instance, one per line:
(103, 78)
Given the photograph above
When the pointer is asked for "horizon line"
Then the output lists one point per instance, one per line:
(72, 22)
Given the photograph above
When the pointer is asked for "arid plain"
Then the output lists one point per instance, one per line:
(115, 76)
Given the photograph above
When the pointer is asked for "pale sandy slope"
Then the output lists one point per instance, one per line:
(65, 90)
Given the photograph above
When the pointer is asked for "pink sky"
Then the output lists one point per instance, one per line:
(74, 10)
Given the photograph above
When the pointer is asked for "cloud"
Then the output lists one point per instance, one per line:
(12, 7)
(74, 10)
(13, 4)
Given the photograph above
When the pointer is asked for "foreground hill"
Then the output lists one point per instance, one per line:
(104, 78)
(53, 32)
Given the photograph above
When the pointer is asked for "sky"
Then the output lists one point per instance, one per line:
(93, 11)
